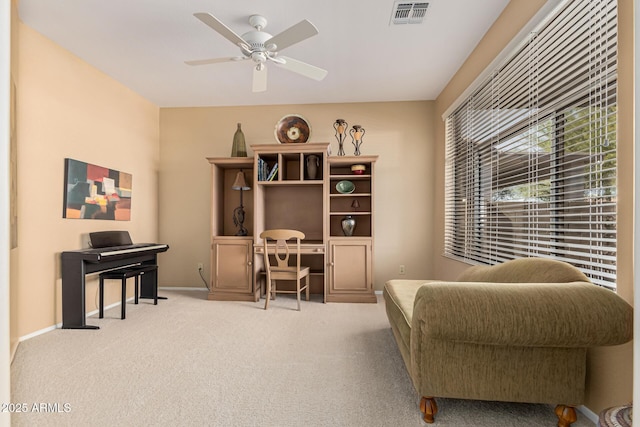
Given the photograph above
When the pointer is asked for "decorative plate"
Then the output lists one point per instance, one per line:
(293, 129)
(345, 187)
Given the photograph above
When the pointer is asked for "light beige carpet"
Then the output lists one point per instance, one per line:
(193, 362)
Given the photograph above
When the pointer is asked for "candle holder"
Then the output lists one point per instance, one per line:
(341, 127)
(357, 133)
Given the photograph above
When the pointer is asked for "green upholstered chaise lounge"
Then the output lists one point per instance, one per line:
(515, 332)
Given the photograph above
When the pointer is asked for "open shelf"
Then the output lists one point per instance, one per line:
(305, 164)
(225, 199)
(341, 205)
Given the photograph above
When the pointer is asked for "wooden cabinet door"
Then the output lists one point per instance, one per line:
(350, 267)
(231, 268)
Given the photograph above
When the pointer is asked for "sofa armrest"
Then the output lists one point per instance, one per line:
(576, 314)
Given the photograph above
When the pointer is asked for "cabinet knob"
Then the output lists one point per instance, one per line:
(249, 263)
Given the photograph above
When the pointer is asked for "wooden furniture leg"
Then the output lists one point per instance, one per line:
(267, 294)
(428, 408)
(307, 284)
(101, 296)
(566, 415)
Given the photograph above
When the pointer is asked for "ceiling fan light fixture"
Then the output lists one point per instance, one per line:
(261, 47)
(258, 57)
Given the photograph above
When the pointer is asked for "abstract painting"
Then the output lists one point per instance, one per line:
(96, 192)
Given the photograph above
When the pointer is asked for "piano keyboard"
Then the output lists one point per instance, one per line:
(137, 248)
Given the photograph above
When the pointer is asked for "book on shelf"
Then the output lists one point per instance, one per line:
(259, 171)
(263, 170)
(273, 173)
(266, 173)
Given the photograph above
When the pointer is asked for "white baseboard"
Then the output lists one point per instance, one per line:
(59, 325)
(588, 413)
(40, 332)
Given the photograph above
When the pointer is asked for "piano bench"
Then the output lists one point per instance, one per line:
(123, 274)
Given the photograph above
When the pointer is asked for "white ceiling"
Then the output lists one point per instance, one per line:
(143, 44)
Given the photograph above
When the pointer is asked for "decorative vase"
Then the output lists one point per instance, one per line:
(239, 148)
(357, 132)
(313, 163)
(348, 225)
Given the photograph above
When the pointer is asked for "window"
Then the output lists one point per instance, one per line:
(531, 153)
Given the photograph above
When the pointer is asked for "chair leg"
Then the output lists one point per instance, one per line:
(267, 294)
(307, 282)
(101, 299)
(155, 293)
(123, 305)
(298, 292)
(136, 291)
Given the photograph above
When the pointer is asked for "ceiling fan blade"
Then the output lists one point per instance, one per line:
(259, 78)
(212, 61)
(292, 35)
(222, 29)
(303, 68)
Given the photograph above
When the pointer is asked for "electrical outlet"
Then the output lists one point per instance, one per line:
(200, 266)
(401, 268)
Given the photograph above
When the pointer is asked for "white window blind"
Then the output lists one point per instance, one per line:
(531, 153)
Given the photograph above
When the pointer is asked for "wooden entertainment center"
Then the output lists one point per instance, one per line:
(301, 194)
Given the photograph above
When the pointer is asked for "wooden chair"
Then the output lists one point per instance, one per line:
(283, 271)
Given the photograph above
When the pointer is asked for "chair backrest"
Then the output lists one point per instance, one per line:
(282, 248)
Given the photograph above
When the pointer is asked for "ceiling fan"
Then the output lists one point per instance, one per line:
(261, 47)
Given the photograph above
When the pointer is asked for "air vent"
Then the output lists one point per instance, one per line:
(408, 13)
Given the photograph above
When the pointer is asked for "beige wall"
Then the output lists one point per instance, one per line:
(609, 377)
(66, 108)
(401, 133)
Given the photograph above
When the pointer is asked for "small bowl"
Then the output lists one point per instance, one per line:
(358, 169)
(345, 187)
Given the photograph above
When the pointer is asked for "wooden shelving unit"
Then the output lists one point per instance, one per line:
(299, 194)
(350, 258)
